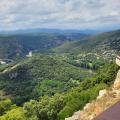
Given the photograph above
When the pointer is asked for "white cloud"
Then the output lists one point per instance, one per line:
(80, 14)
(114, 13)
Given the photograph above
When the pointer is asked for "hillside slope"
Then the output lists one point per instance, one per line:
(32, 76)
(59, 106)
(103, 44)
(106, 99)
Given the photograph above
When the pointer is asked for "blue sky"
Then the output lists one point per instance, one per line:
(65, 14)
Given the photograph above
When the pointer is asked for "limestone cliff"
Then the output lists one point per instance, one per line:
(105, 99)
(117, 81)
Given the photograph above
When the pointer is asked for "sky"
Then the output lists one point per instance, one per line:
(63, 14)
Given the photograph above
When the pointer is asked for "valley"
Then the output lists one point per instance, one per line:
(59, 59)
(50, 76)
(17, 46)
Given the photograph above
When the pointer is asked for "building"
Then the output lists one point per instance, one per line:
(29, 54)
(2, 62)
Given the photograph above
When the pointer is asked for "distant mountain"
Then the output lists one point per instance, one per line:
(46, 30)
(19, 45)
(104, 43)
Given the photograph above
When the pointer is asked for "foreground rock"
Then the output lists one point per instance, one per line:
(117, 81)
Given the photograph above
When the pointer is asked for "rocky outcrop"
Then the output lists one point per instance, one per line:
(102, 93)
(75, 116)
(10, 69)
(11, 72)
(13, 75)
(106, 99)
(118, 60)
(117, 81)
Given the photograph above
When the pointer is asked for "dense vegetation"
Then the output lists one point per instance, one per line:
(40, 75)
(63, 105)
(53, 85)
(91, 52)
(98, 43)
(90, 61)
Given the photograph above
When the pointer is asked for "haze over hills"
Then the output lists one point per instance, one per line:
(48, 30)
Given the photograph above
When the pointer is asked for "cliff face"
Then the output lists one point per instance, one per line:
(106, 99)
(117, 81)
(118, 60)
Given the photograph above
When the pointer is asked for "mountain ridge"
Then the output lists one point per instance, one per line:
(48, 30)
(19, 45)
(96, 43)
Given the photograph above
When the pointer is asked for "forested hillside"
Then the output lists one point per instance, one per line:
(101, 44)
(91, 52)
(12, 46)
(60, 106)
(38, 76)
(56, 56)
